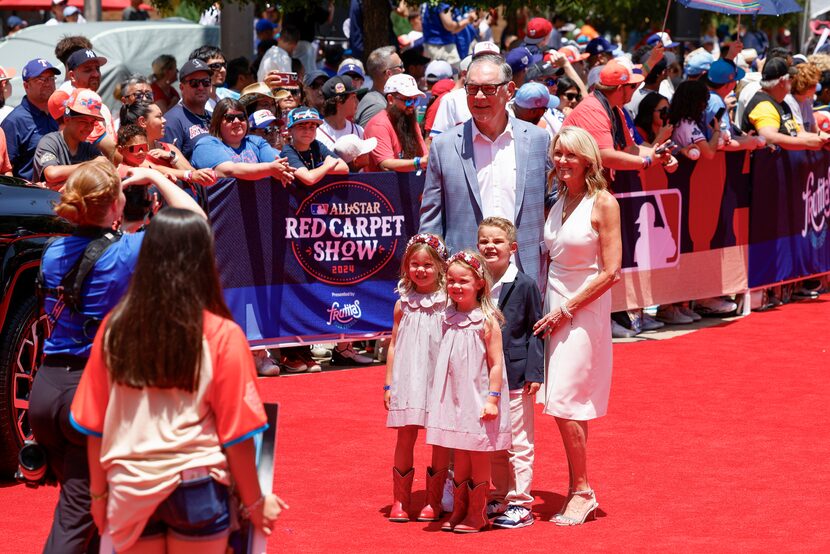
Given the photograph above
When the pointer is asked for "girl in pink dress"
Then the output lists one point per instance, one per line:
(410, 365)
(469, 405)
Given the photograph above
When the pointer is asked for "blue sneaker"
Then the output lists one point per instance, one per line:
(514, 517)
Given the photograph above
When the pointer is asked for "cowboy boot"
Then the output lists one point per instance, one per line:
(435, 490)
(401, 494)
(459, 508)
(476, 519)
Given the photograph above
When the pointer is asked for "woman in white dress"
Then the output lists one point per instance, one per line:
(582, 234)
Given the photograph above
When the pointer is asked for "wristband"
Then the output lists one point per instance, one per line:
(646, 162)
(187, 175)
(417, 161)
(494, 393)
(565, 311)
(387, 387)
(246, 510)
(172, 156)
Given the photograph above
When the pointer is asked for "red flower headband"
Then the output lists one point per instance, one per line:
(467, 258)
(430, 240)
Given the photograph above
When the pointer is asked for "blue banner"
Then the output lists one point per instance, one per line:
(302, 264)
(789, 216)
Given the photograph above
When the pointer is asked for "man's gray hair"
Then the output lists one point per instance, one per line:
(133, 80)
(772, 83)
(378, 60)
(498, 61)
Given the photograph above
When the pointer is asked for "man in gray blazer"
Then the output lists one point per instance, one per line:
(492, 165)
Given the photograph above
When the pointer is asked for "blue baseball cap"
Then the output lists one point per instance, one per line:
(36, 67)
(722, 72)
(599, 46)
(520, 58)
(664, 38)
(699, 64)
(534, 95)
(264, 26)
(13, 21)
(303, 114)
(345, 69)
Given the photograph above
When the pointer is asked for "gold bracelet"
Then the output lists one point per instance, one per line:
(97, 497)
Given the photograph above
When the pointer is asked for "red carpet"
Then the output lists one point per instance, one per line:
(715, 441)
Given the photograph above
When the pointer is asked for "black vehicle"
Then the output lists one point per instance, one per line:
(27, 221)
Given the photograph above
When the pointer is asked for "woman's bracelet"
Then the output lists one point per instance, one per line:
(497, 394)
(647, 162)
(565, 311)
(97, 497)
(387, 387)
(172, 156)
(246, 510)
(417, 162)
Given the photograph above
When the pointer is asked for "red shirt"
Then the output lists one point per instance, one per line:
(591, 116)
(389, 147)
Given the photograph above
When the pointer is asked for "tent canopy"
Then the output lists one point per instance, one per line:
(107, 5)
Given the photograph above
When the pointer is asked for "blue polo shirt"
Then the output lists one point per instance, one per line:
(24, 127)
(211, 151)
(106, 283)
(183, 128)
(434, 31)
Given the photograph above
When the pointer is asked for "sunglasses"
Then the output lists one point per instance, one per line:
(549, 82)
(408, 102)
(216, 66)
(486, 90)
(196, 83)
(142, 94)
(396, 68)
(231, 117)
(136, 148)
(571, 96)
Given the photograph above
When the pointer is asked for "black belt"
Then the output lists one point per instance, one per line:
(69, 361)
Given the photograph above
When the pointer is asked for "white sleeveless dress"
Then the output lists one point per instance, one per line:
(578, 354)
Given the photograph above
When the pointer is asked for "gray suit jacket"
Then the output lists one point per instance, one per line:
(451, 206)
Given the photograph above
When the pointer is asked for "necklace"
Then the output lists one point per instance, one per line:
(568, 204)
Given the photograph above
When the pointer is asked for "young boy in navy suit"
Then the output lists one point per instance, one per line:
(517, 296)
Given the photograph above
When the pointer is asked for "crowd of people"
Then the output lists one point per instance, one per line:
(506, 286)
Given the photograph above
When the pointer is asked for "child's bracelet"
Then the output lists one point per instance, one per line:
(497, 394)
(246, 510)
(387, 387)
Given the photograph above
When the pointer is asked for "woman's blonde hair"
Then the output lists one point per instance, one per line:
(434, 246)
(807, 76)
(161, 65)
(578, 141)
(89, 193)
(475, 263)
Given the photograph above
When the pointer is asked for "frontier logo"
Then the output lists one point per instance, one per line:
(816, 198)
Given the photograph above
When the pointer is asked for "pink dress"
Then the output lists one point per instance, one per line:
(416, 352)
(578, 354)
(460, 389)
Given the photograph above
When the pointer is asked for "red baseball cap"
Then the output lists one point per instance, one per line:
(83, 101)
(537, 29)
(57, 104)
(573, 54)
(614, 74)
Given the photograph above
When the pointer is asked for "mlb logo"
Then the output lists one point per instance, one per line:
(319, 209)
(650, 224)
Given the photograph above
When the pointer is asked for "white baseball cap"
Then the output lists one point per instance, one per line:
(486, 47)
(403, 84)
(349, 147)
(437, 70)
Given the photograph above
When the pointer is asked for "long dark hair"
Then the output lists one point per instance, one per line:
(130, 113)
(645, 114)
(222, 107)
(154, 334)
(689, 101)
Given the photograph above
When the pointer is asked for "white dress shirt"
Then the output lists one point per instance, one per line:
(495, 163)
(509, 276)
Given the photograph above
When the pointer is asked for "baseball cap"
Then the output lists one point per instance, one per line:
(260, 119)
(83, 101)
(699, 63)
(598, 46)
(57, 104)
(263, 26)
(519, 58)
(723, 71)
(303, 114)
(437, 70)
(662, 37)
(822, 120)
(6, 73)
(13, 21)
(193, 66)
(442, 86)
(252, 92)
(541, 69)
(486, 47)
(573, 54)
(775, 68)
(351, 61)
(340, 85)
(70, 10)
(348, 68)
(534, 95)
(349, 147)
(403, 84)
(537, 29)
(615, 74)
(36, 67)
(312, 76)
(83, 56)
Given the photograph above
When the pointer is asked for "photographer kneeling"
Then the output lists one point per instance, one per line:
(94, 200)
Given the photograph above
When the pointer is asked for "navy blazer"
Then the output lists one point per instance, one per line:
(524, 357)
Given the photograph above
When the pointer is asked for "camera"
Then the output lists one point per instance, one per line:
(33, 466)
